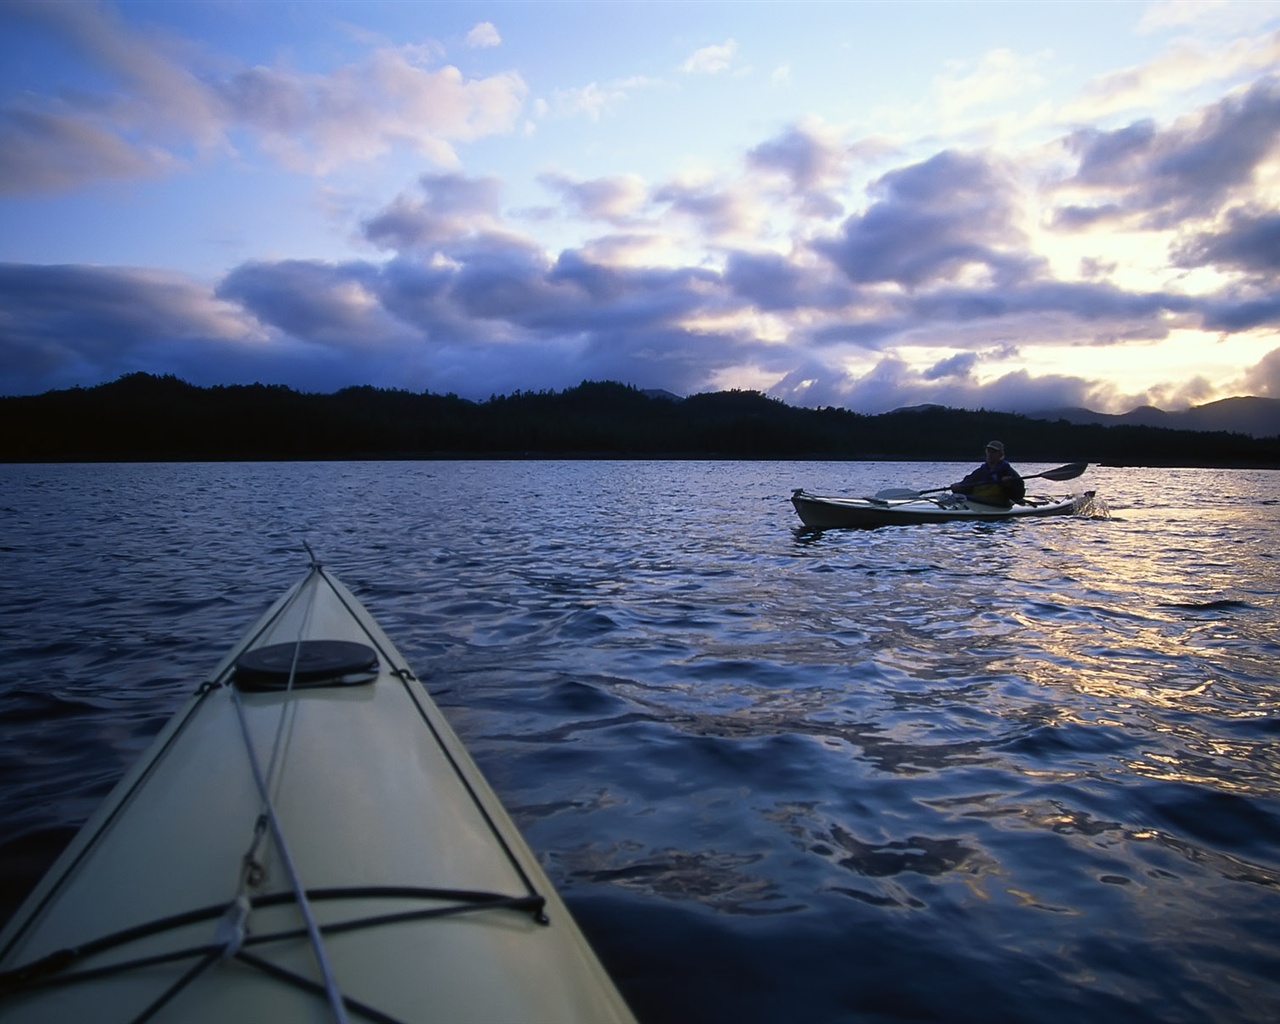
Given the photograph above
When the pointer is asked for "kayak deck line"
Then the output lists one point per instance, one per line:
(49, 969)
(408, 680)
(233, 926)
(314, 667)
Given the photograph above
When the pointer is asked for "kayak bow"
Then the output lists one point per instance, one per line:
(305, 840)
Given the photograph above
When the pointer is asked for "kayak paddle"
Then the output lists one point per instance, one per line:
(1068, 472)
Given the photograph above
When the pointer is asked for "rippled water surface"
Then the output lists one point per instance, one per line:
(963, 772)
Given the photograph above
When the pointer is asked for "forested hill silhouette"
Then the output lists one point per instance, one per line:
(144, 417)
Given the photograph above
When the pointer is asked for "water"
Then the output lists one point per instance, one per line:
(964, 772)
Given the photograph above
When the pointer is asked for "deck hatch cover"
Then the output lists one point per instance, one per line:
(319, 663)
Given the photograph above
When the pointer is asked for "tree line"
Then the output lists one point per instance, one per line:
(143, 417)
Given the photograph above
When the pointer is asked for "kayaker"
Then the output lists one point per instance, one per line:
(995, 482)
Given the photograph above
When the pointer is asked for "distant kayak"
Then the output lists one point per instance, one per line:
(821, 512)
(306, 840)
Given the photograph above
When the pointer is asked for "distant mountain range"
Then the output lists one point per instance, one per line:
(1256, 417)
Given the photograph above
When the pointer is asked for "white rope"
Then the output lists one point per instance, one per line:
(234, 924)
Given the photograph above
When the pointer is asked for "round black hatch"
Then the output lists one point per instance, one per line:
(318, 663)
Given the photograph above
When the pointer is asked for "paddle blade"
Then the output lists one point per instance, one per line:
(896, 493)
(1067, 472)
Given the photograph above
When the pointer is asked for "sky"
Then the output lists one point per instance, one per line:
(1015, 206)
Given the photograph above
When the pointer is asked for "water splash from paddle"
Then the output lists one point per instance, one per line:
(1091, 506)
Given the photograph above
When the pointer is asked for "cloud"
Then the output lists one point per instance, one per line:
(484, 34)
(1242, 309)
(934, 222)
(67, 325)
(336, 306)
(926, 289)
(1248, 239)
(160, 88)
(618, 199)
(772, 283)
(1000, 73)
(47, 152)
(719, 211)
(1263, 379)
(1165, 14)
(362, 111)
(1164, 176)
(494, 315)
(1204, 17)
(590, 100)
(893, 384)
(1186, 66)
(451, 206)
(957, 367)
(1127, 315)
(485, 311)
(156, 114)
(711, 60)
(808, 157)
(163, 104)
(812, 159)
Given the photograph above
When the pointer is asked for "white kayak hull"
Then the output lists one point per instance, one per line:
(821, 512)
(428, 903)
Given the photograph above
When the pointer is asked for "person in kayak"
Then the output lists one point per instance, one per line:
(995, 482)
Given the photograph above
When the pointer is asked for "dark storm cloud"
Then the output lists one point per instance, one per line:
(65, 325)
(1248, 240)
(495, 312)
(637, 298)
(329, 304)
(1242, 312)
(1113, 157)
(770, 281)
(1085, 302)
(417, 294)
(1187, 170)
(510, 284)
(931, 221)
(490, 287)
(1245, 240)
(675, 358)
(873, 333)
(960, 365)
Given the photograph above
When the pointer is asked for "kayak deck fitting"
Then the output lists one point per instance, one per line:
(307, 839)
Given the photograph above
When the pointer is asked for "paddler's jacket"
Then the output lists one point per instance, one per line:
(993, 485)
